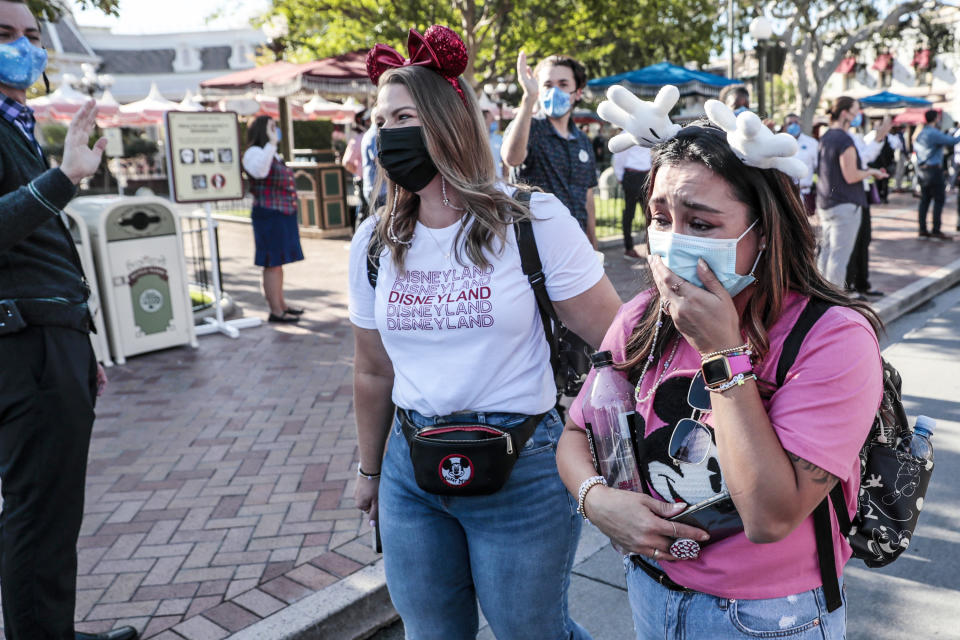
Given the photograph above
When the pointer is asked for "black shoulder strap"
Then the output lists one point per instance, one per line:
(533, 269)
(373, 259)
(791, 346)
(823, 532)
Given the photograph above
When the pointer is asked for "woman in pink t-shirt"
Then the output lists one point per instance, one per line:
(777, 450)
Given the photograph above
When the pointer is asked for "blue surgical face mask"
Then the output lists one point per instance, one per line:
(555, 102)
(681, 252)
(21, 63)
(857, 121)
(739, 110)
(279, 135)
(793, 129)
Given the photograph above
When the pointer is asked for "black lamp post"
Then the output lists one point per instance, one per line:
(277, 29)
(761, 30)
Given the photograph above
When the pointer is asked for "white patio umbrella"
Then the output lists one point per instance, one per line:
(149, 110)
(190, 102)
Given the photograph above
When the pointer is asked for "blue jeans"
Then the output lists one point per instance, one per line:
(512, 550)
(661, 614)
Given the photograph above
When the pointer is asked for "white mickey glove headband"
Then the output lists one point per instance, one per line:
(647, 124)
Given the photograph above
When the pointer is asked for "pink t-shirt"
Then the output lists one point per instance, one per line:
(822, 414)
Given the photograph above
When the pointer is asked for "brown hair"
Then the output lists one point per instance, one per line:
(257, 132)
(458, 143)
(841, 104)
(579, 72)
(788, 262)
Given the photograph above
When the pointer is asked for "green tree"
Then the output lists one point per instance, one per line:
(607, 37)
(51, 10)
(819, 34)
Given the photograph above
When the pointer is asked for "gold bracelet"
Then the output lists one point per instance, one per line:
(744, 348)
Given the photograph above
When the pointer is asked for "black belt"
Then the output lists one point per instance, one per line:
(629, 170)
(658, 575)
(56, 313)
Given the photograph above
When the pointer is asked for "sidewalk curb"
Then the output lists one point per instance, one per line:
(359, 605)
(900, 302)
(352, 608)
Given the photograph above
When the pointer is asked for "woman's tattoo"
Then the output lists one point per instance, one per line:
(818, 475)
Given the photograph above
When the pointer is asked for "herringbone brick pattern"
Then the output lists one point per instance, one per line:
(220, 480)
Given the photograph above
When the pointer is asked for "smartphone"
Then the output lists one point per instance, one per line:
(717, 516)
(375, 538)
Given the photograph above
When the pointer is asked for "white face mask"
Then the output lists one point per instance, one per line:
(681, 252)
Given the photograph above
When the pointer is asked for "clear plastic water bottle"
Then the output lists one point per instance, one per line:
(610, 412)
(919, 443)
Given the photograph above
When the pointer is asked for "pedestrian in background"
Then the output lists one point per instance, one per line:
(869, 148)
(49, 376)
(276, 235)
(808, 151)
(489, 111)
(368, 151)
(449, 214)
(547, 150)
(929, 146)
(840, 194)
(353, 163)
(631, 168)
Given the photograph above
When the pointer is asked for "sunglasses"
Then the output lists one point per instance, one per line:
(691, 440)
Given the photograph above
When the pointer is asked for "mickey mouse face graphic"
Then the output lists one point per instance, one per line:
(690, 483)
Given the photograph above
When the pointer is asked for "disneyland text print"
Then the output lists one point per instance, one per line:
(440, 300)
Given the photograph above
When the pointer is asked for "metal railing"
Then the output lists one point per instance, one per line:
(193, 226)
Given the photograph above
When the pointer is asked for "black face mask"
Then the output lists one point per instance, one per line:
(403, 155)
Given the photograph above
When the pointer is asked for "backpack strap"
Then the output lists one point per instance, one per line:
(822, 530)
(373, 259)
(533, 269)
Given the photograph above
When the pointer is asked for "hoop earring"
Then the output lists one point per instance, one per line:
(391, 232)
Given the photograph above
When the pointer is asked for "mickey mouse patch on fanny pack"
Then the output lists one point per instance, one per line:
(456, 470)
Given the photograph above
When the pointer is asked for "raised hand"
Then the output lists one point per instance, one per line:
(643, 123)
(525, 74)
(755, 144)
(80, 160)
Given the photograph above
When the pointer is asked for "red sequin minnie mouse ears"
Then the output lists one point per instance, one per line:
(439, 49)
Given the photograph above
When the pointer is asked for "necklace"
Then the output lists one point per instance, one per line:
(646, 365)
(446, 200)
(446, 253)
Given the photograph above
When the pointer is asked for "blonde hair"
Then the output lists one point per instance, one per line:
(458, 143)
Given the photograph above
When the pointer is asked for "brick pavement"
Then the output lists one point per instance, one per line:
(220, 480)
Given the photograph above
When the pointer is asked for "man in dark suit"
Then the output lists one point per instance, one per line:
(49, 377)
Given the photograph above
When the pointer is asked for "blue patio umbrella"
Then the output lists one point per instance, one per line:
(648, 80)
(888, 100)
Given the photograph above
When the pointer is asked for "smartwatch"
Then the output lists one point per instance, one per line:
(721, 368)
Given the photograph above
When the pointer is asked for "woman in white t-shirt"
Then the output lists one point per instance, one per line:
(451, 334)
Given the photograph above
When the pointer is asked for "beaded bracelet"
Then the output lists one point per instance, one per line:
(585, 486)
(364, 474)
(742, 349)
(736, 381)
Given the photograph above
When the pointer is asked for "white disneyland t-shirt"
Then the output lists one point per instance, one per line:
(470, 338)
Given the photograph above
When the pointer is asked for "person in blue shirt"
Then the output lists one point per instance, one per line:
(929, 148)
(368, 171)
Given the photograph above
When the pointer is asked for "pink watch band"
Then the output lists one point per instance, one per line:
(739, 364)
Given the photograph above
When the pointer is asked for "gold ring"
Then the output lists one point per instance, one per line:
(675, 534)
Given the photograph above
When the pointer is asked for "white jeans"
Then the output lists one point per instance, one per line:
(838, 234)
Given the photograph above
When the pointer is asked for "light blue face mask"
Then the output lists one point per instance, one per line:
(857, 121)
(681, 252)
(555, 102)
(793, 129)
(21, 63)
(279, 135)
(494, 127)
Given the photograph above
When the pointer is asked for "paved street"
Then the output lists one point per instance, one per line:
(220, 481)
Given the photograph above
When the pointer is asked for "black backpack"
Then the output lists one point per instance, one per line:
(891, 481)
(569, 353)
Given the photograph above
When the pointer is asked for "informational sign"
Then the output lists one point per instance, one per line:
(114, 142)
(203, 156)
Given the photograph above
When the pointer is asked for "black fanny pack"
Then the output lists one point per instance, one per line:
(464, 459)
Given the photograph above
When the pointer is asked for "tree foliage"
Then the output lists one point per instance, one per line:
(51, 10)
(819, 34)
(607, 37)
